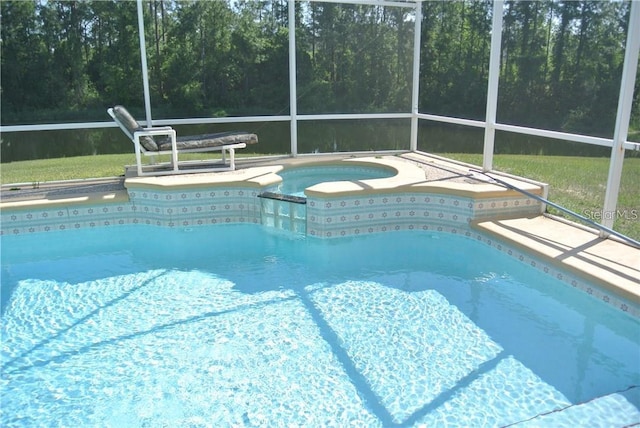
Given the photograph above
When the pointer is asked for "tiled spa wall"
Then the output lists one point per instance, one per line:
(355, 215)
(196, 207)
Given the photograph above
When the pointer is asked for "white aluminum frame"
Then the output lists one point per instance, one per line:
(293, 83)
(618, 143)
(623, 116)
(492, 86)
(143, 64)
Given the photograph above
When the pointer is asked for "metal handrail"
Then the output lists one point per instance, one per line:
(561, 208)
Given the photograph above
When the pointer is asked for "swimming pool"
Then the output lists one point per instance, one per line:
(239, 325)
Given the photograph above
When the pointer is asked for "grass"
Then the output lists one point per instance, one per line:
(38, 171)
(72, 168)
(577, 183)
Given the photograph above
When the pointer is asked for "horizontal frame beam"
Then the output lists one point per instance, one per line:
(363, 116)
(452, 120)
(388, 3)
(598, 141)
(202, 121)
(579, 138)
(159, 122)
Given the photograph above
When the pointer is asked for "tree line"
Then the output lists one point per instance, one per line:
(561, 61)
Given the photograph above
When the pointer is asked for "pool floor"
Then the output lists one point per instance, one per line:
(197, 328)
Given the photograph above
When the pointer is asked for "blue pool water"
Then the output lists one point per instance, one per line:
(240, 326)
(296, 179)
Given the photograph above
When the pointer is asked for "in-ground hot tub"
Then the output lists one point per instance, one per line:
(296, 179)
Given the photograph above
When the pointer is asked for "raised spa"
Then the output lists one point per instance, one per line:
(296, 179)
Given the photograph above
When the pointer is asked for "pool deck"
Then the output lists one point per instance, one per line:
(609, 263)
(606, 262)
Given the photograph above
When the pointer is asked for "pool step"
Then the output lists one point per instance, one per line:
(620, 409)
(284, 212)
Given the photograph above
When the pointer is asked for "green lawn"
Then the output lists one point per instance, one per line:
(71, 168)
(79, 167)
(577, 183)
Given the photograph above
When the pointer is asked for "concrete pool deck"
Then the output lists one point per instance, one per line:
(608, 263)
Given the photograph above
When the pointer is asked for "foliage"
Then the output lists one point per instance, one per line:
(560, 61)
(560, 66)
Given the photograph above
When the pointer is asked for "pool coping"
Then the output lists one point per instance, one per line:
(605, 262)
(608, 263)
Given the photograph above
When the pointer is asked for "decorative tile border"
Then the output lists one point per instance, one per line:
(17, 222)
(197, 207)
(333, 217)
(158, 208)
(505, 207)
(562, 275)
(327, 218)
